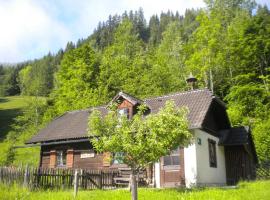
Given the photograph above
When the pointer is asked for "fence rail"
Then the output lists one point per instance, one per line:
(58, 178)
(263, 171)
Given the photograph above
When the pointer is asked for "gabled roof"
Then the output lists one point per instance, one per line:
(128, 97)
(74, 124)
(71, 125)
(197, 101)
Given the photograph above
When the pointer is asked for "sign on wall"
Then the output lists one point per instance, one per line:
(87, 154)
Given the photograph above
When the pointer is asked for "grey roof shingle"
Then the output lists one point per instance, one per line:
(197, 101)
(74, 124)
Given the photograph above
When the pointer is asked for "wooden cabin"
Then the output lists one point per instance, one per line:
(219, 154)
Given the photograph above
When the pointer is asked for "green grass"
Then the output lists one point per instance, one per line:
(258, 190)
(10, 107)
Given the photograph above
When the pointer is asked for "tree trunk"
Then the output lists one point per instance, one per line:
(133, 185)
(211, 81)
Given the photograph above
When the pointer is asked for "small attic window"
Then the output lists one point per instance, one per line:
(123, 112)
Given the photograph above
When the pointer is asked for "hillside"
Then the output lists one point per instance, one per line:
(227, 50)
(10, 107)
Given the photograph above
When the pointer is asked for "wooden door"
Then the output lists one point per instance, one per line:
(172, 169)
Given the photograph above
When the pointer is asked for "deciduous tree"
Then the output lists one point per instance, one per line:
(142, 139)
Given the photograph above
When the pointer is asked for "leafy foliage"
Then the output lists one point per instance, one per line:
(76, 80)
(226, 46)
(25, 126)
(142, 139)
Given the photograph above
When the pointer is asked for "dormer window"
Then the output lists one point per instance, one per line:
(123, 112)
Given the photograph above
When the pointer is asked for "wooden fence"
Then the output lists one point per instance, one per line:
(263, 171)
(58, 178)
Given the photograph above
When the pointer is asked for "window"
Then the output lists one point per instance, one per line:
(118, 158)
(123, 112)
(172, 159)
(212, 153)
(61, 157)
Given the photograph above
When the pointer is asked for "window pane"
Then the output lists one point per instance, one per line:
(64, 158)
(175, 160)
(61, 158)
(167, 160)
(118, 158)
(176, 151)
(123, 112)
(212, 153)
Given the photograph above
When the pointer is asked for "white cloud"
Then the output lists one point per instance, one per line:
(32, 28)
(27, 28)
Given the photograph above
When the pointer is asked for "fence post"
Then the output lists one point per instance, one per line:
(25, 179)
(82, 179)
(100, 180)
(75, 183)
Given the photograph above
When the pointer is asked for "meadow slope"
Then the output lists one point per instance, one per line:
(10, 107)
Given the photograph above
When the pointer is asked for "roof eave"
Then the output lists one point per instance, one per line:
(67, 140)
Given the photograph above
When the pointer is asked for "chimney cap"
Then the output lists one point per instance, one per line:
(191, 78)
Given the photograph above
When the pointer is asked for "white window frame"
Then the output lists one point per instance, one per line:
(60, 160)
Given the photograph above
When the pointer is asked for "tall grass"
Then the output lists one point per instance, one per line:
(258, 190)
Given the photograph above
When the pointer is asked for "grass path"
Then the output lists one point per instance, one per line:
(259, 190)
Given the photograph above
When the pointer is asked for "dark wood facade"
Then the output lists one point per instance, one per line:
(216, 118)
(240, 165)
(77, 156)
(49, 160)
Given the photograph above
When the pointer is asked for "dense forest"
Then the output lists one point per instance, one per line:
(225, 45)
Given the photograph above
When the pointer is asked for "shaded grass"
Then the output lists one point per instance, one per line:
(246, 191)
(10, 108)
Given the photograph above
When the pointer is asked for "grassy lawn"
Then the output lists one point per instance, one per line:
(253, 190)
(10, 107)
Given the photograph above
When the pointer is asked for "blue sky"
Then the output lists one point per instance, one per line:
(32, 28)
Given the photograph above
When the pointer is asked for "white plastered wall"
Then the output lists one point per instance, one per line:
(157, 174)
(197, 168)
(209, 175)
(190, 165)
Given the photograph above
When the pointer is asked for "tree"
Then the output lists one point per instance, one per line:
(154, 30)
(249, 104)
(25, 81)
(23, 128)
(123, 64)
(167, 65)
(76, 80)
(142, 139)
(261, 133)
(248, 101)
